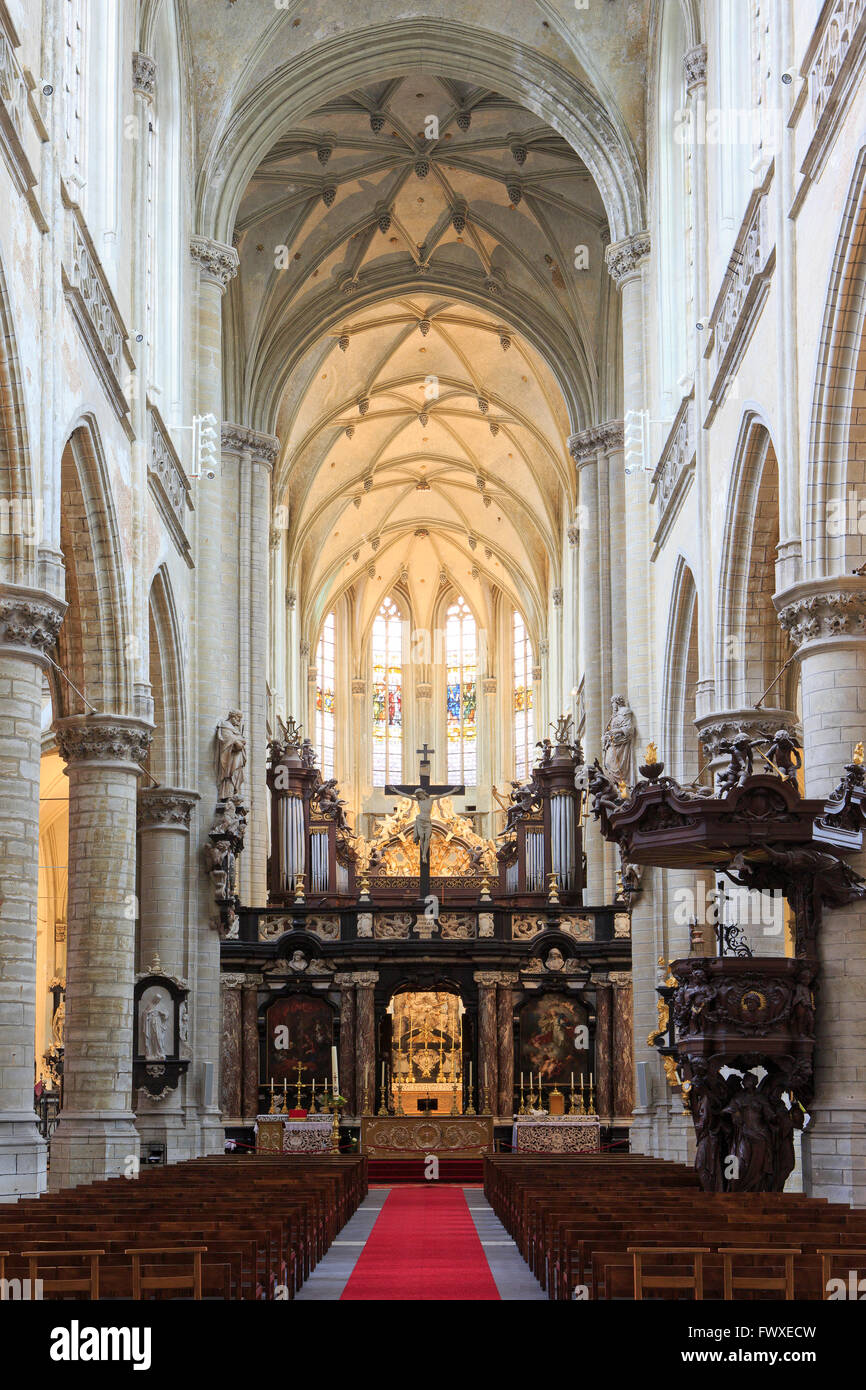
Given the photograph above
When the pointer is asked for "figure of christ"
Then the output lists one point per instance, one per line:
(425, 795)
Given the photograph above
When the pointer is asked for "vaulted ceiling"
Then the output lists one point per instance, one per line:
(416, 315)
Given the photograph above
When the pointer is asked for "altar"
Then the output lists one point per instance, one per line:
(410, 1136)
(579, 1134)
(280, 1134)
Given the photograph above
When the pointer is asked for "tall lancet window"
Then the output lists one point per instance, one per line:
(387, 695)
(326, 680)
(524, 722)
(461, 656)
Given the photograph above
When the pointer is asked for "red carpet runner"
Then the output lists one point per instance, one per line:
(424, 1245)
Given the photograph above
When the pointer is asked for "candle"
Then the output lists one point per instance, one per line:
(590, 1080)
(383, 1076)
(334, 1072)
(521, 1081)
(470, 1075)
(572, 1080)
(313, 1090)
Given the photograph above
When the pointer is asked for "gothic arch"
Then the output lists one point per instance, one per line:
(94, 641)
(168, 754)
(751, 646)
(20, 524)
(835, 463)
(680, 746)
(354, 59)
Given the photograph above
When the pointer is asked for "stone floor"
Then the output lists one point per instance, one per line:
(510, 1273)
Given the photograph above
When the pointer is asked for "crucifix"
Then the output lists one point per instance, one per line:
(425, 793)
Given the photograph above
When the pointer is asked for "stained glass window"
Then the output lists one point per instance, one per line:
(387, 695)
(524, 722)
(326, 679)
(461, 676)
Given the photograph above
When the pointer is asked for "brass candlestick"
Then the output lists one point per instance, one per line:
(400, 1110)
(522, 1110)
(470, 1108)
(335, 1129)
(383, 1108)
(572, 1109)
(300, 1068)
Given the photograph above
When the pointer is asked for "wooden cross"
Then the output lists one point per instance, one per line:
(425, 793)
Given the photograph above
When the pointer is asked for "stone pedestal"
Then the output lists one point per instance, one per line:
(29, 623)
(96, 1135)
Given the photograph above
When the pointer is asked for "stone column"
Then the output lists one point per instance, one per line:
(29, 623)
(256, 453)
(96, 1135)
(596, 452)
(826, 621)
(626, 261)
(604, 1051)
(365, 1042)
(488, 1050)
(347, 1041)
(231, 1072)
(250, 1046)
(505, 1049)
(163, 832)
(215, 680)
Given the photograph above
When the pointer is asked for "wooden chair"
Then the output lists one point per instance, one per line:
(827, 1258)
(693, 1281)
(191, 1281)
(57, 1259)
(754, 1281)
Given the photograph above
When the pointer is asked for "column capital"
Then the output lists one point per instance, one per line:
(624, 258)
(217, 262)
(143, 75)
(695, 66)
(232, 981)
(30, 620)
(239, 439)
(604, 439)
(103, 738)
(365, 979)
(165, 808)
(487, 979)
(821, 611)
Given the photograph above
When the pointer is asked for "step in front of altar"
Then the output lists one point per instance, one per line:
(408, 1136)
(394, 1172)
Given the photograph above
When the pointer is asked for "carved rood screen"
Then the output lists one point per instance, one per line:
(723, 1018)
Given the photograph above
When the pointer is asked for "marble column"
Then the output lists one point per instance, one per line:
(250, 1046)
(96, 1135)
(231, 1071)
(214, 676)
(488, 1048)
(623, 1052)
(505, 1049)
(163, 815)
(826, 621)
(604, 1050)
(29, 623)
(365, 1042)
(347, 1041)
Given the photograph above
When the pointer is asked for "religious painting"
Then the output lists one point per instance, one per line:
(548, 1042)
(299, 1029)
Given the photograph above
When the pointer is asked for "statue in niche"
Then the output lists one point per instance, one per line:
(156, 1029)
(617, 743)
(58, 1022)
(555, 959)
(231, 756)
